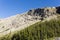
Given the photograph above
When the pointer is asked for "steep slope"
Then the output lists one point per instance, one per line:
(17, 22)
(48, 30)
(21, 21)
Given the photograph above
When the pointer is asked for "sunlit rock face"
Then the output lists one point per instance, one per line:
(58, 9)
(42, 12)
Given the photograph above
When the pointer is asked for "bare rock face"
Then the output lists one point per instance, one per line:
(42, 12)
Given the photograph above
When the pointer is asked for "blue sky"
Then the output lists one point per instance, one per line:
(13, 7)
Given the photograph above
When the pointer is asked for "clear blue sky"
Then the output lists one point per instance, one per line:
(13, 7)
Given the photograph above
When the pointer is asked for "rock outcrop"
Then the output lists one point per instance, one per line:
(42, 12)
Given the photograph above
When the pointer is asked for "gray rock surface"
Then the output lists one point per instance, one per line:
(41, 13)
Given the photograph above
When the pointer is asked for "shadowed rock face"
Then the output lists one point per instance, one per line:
(36, 12)
(58, 9)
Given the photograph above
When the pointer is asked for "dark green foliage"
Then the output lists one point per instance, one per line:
(15, 37)
(37, 31)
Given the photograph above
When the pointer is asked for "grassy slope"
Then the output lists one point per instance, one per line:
(38, 31)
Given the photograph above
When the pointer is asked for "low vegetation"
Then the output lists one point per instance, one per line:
(38, 31)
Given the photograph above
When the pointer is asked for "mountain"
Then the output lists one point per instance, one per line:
(21, 21)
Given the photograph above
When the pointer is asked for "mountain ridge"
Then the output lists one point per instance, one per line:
(21, 21)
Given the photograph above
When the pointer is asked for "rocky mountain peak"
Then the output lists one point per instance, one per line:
(44, 12)
(21, 21)
(40, 11)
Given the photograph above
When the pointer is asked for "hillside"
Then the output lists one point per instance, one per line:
(21, 23)
(47, 30)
